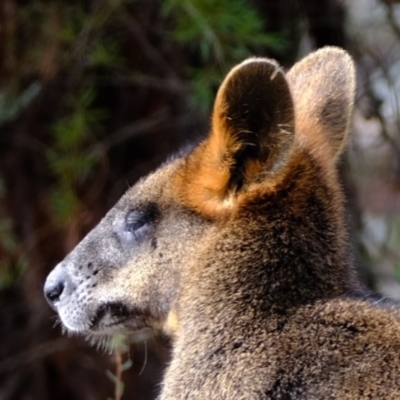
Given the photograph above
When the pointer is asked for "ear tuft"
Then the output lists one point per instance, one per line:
(251, 138)
(253, 114)
(323, 89)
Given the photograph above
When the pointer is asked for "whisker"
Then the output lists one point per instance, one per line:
(145, 357)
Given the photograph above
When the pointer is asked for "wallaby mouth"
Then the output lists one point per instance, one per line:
(117, 317)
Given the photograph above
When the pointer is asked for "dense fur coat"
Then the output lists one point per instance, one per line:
(239, 251)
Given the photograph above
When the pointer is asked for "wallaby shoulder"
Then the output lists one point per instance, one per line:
(343, 348)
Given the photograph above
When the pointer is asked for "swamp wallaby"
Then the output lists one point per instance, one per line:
(238, 250)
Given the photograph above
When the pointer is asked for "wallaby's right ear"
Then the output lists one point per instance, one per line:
(251, 138)
(323, 88)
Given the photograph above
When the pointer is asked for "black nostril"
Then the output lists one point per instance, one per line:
(53, 293)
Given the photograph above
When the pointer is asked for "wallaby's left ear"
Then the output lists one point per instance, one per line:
(251, 138)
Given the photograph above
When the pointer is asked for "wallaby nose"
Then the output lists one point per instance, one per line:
(53, 291)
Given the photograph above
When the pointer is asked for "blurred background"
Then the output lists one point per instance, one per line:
(95, 94)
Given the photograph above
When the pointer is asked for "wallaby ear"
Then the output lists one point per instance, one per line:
(323, 88)
(251, 137)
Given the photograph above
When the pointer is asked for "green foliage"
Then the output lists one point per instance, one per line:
(71, 39)
(65, 203)
(105, 53)
(221, 28)
(224, 32)
(204, 81)
(7, 239)
(12, 264)
(69, 158)
(11, 271)
(75, 20)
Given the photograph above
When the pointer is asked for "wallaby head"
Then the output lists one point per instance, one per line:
(125, 274)
(258, 196)
(241, 230)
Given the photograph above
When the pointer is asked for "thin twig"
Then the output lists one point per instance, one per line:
(160, 120)
(148, 49)
(119, 369)
(145, 358)
(131, 130)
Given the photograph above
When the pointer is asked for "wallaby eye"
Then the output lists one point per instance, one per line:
(135, 220)
(138, 219)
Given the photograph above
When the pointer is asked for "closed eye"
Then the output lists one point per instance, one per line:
(135, 220)
(139, 220)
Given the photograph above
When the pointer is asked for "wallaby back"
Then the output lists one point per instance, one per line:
(239, 251)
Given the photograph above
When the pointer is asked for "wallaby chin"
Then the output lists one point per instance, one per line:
(239, 251)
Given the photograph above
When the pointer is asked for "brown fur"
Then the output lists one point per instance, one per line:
(239, 251)
(206, 181)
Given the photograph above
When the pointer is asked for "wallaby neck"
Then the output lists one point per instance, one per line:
(231, 330)
(235, 297)
(207, 355)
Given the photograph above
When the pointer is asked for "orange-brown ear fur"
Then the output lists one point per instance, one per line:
(323, 86)
(251, 138)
